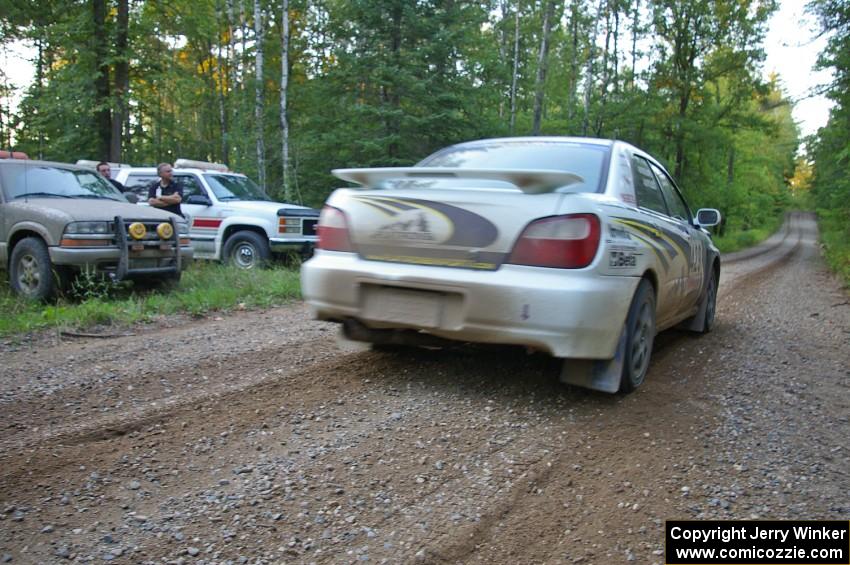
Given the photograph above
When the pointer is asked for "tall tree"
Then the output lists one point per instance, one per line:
(588, 72)
(259, 93)
(542, 61)
(100, 47)
(515, 72)
(284, 93)
(121, 82)
(830, 148)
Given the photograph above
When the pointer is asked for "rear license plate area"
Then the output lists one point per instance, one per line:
(418, 308)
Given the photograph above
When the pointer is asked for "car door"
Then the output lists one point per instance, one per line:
(204, 221)
(682, 225)
(663, 237)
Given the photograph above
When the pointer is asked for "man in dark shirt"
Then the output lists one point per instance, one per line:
(106, 172)
(166, 193)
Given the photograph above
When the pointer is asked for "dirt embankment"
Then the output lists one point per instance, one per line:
(254, 439)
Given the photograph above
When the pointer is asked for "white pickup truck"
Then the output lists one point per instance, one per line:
(230, 218)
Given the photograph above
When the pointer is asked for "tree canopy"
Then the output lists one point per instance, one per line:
(386, 82)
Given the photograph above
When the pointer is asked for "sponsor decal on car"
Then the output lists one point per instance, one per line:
(429, 233)
(664, 243)
(434, 221)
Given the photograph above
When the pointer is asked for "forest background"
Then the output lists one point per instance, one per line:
(286, 90)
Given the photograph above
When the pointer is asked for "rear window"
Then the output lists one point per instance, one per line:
(587, 161)
(45, 181)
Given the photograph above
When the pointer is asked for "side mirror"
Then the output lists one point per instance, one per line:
(131, 198)
(707, 217)
(199, 199)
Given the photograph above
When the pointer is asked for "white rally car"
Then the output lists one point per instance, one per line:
(230, 217)
(581, 248)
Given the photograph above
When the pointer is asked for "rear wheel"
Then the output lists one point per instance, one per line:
(640, 335)
(31, 274)
(247, 250)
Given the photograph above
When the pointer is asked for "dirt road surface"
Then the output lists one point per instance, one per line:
(253, 438)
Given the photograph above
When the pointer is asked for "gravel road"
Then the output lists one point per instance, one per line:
(255, 438)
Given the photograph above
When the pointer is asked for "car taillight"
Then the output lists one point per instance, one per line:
(333, 230)
(566, 242)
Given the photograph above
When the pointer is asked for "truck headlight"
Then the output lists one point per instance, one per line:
(183, 228)
(87, 228)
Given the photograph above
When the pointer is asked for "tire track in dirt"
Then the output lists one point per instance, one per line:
(463, 455)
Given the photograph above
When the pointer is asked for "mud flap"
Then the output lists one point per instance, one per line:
(597, 374)
(696, 323)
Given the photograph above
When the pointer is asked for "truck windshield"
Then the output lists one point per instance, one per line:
(24, 180)
(235, 187)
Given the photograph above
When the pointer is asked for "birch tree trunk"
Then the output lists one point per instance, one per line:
(635, 31)
(503, 48)
(284, 90)
(588, 86)
(573, 80)
(542, 60)
(222, 103)
(616, 57)
(231, 45)
(515, 73)
(603, 90)
(258, 98)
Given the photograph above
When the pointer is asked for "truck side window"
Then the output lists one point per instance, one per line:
(191, 186)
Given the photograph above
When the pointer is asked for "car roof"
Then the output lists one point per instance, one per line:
(547, 138)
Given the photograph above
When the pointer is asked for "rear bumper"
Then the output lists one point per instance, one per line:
(576, 314)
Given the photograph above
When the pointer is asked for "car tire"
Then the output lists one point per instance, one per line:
(31, 274)
(640, 335)
(247, 250)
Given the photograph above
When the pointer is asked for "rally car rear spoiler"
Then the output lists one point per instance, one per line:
(530, 181)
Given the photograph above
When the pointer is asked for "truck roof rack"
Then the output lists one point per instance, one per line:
(206, 165)
(13, 155)
(93, 164)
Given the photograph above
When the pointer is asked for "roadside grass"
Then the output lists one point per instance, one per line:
(205, 288)
(737, 240)
(834, 227)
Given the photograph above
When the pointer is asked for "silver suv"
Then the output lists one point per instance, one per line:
(230, 218)
(58, 219)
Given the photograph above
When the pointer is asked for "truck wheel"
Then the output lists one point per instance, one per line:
(247, 250)
(31, 274)
(640, 334)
